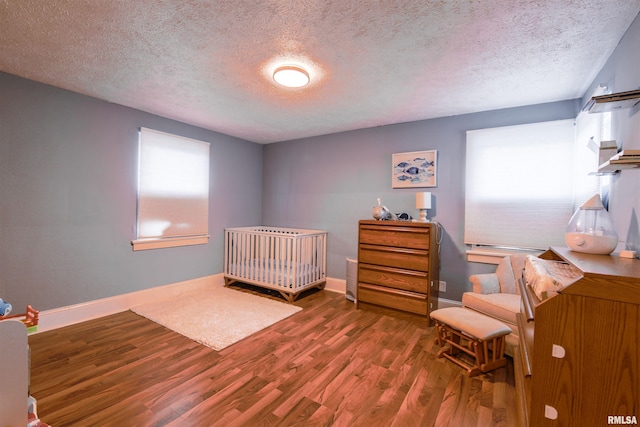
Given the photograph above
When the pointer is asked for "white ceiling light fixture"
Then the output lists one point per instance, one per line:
(291, 76)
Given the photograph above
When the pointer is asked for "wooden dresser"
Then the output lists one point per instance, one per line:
(578, 362)
(398, 265)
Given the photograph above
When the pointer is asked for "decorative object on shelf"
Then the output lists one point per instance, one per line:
(414, 169)
(606, 150)
(591, 229)
(423, 204)
(381, 212)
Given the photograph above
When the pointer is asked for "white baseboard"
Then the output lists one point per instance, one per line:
(336, 285)
(69, 315)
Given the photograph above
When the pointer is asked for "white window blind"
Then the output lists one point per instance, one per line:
(173, 191)
(520, 185)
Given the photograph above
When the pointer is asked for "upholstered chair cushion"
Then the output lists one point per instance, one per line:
(485, 283)
(501, 306)
(470, 322)
(506, 276)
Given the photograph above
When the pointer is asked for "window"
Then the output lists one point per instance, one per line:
(173, 191)
(523, 184)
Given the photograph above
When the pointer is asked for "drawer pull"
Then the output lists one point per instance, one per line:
(550, 412)
(557, 351)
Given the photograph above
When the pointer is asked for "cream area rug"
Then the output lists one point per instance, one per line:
(216, 317)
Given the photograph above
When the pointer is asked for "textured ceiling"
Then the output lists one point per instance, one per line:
(372, 63)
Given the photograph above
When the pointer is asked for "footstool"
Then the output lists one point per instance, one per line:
(477, 335)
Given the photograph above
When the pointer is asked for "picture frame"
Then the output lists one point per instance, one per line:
(414, 169)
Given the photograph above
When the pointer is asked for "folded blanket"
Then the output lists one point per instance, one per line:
(546, 277)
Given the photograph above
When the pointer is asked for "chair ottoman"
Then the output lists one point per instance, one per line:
(477, 335)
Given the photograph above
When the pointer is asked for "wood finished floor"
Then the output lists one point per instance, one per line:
(329, 364)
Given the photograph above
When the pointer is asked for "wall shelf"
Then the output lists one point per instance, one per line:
(612, 102)
(626, 159)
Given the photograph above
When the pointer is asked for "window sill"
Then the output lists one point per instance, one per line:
(489, 255)
(168, 242)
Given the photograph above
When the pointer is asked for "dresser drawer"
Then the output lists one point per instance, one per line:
(404, 258)
(397, 278)
(393, 298)
(399, 236)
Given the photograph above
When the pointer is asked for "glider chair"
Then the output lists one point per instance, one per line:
(496, 295)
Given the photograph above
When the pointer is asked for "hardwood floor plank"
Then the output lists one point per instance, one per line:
(473, 403)
(328, 365)
(300, 413)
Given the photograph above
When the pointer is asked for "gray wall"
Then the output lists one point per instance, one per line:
(330, 182)
(68, 198)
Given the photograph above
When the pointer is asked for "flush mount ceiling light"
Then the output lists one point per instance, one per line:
(291, 76)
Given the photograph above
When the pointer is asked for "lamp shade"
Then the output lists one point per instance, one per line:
(423, 200)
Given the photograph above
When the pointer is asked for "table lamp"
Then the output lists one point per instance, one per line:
(423, 203)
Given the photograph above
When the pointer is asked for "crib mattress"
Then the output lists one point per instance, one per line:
(277, 272)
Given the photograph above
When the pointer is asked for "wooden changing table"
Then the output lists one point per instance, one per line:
(578, 362)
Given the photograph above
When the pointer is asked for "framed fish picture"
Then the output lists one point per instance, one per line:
(414, 169)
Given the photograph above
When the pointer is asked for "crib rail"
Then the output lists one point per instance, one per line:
(286, 259)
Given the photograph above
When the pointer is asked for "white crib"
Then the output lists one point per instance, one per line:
(284, 259)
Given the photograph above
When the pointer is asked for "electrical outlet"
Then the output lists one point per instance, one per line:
(442, 286)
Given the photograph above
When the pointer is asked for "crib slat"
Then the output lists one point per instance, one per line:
(260, 269)
(290, 266)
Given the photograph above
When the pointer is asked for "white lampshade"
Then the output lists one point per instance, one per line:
(423, 200)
